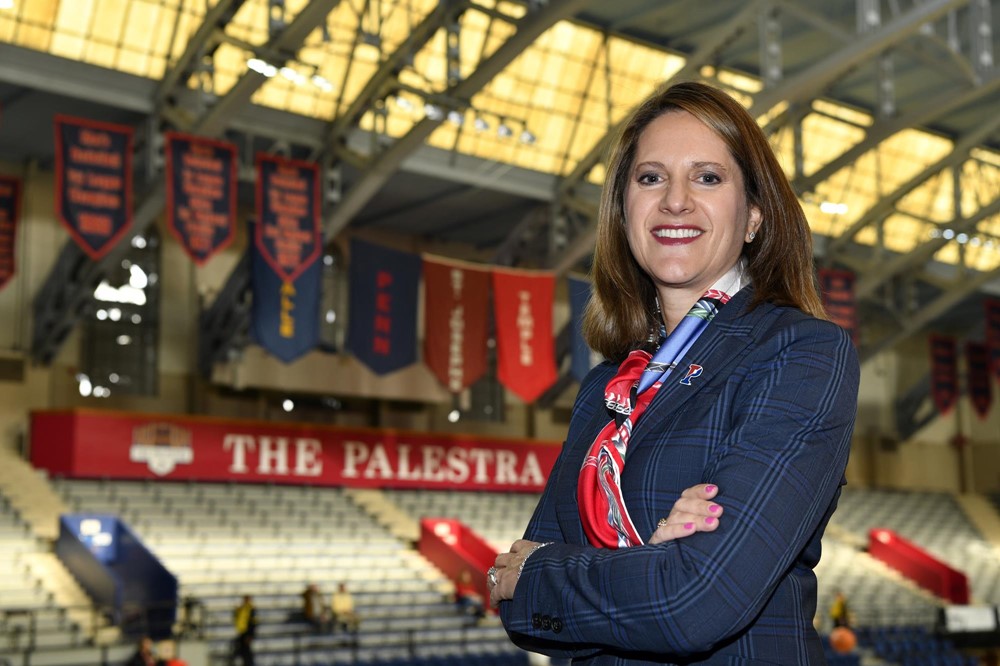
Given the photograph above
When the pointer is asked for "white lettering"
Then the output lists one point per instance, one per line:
(531, 475)
(432, 463)
(525, 328)
(307, 461)
(458, 467)
(273, 453)
(404, 465)
(379, 465)
(239, 444)
(506, 461)
(355, 453)
(481, 458)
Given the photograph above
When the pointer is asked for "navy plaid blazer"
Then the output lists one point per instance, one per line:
(768, 420)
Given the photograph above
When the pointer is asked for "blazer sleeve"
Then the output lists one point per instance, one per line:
(779, 468)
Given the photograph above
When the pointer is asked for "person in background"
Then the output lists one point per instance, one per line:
(144, 654)
(467, 597)
(314, 608)
(342, 606)
(839, 611)
(245, 623)
(725, 386)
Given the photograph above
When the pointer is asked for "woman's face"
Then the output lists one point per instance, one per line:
(685, 208)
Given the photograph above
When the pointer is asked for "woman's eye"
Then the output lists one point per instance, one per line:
(648, 178)
(710, 178)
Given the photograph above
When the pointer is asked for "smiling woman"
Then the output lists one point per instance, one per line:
(701, 549)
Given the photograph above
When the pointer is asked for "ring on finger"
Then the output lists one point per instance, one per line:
(491, 576)
(661, 523)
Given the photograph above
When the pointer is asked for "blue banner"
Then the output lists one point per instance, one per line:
(580, 355)
(93, 182)
(288, 215)
(382, 330)
(285, 315)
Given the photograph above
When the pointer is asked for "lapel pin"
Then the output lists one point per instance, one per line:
(694, 370)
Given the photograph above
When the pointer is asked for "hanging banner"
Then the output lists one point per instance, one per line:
(456, 316)
(93, 182)
(977, 359)
(992, 306)
(285, 314)
(201, 194)
(580, 354)
(944, 372)
(837, 291)
(102, 444)
(522, 311)
(10, 213)
(382, 305)
(288, 215)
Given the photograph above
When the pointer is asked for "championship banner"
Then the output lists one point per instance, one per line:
(382, 306)
(944, 372)
(837, 291)
(580, 354)
(288, 215)
(456, 321)
(285, 314)
(992, 306)
(977, 359)
(522, 312)
(10, 213)
(116, 445)
(201, 194)
(93, 182)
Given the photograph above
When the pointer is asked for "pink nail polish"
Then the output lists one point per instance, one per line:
(709, 520)
(714, 508)
(709, 489)
(689, 526)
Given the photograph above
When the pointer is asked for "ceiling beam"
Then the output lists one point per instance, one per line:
(529, 28)
(887, 203)
(928, 312)
(928, 111)
(873, 278)
(812, 82)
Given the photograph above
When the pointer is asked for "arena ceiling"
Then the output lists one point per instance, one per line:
(479, 126)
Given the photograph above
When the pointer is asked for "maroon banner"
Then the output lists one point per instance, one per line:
(944, 372)
(93, 182)
(837, 291)
(201, 194)
(992, 306)
(522, 311)
(10, 213)
(97, 444)
(977, 358)
(288, 214)
(456, 312)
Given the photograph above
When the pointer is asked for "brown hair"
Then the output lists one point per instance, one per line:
(621, 311)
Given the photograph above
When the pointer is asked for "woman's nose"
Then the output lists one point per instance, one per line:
(676, 197)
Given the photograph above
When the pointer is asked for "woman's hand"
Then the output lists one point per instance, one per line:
(508, 569)
(693, 512)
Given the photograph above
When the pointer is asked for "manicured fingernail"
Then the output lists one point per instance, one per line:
(689, 526)
(709, 489)
(709, 520)
(714, 508)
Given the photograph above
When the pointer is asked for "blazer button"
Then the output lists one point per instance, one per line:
(546, 622)
(536, 621)
(557, 624)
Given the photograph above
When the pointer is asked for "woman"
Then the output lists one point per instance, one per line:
(747, 404)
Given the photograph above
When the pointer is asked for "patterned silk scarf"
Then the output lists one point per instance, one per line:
(599, 495)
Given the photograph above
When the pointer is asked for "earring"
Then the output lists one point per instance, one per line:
(751, 236)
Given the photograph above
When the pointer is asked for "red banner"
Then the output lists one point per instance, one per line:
(456, 312)
(201, 194)
(992, 306)
(944, 372)
(96, 444)
(93, 182)
(522, 310)
(977, 358)
(837, 291)
(10, 213)
(288, 214)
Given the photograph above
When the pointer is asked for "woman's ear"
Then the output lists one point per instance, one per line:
(754, 220)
